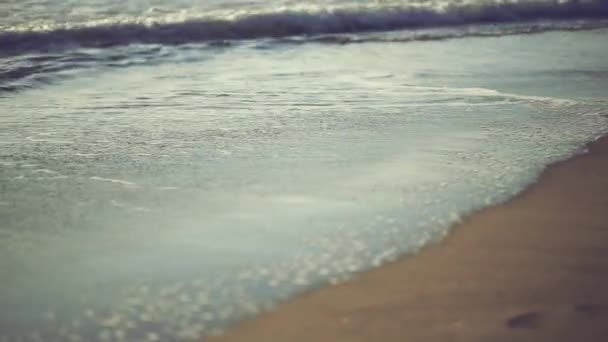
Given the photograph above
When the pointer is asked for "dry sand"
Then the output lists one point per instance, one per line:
(533, 269)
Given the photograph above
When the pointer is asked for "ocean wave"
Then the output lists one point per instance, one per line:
(29, 59)
(477, 31)
(32, 70)
(287, 23)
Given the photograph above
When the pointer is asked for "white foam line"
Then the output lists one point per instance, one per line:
(47, 171)
(166, 188)
(111, 180)
(85, 154)
(486, 92)
(50, 178)
(32, 139)
(462, 104)
(117, 204)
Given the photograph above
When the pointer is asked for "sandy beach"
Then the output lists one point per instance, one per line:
(318, 171)
(532, 269)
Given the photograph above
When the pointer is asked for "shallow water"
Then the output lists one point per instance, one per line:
(160, 191)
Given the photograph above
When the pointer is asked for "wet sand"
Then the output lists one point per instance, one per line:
(533, 269)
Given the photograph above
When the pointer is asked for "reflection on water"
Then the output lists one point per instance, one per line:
(162, 202)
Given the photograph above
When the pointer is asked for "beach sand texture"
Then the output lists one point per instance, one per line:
(532, 269)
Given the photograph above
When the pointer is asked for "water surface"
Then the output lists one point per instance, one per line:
(162, 190)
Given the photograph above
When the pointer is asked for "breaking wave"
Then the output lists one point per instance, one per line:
(287, 23)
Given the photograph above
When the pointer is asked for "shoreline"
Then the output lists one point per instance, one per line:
(534, 268)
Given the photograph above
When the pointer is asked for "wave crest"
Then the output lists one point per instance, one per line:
(290, 23)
